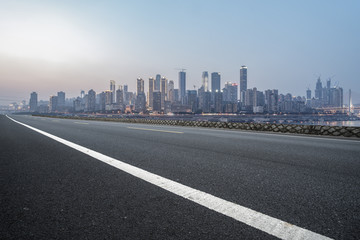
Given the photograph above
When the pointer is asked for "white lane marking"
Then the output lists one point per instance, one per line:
(265, 223)
(81, 122)
(154, 130)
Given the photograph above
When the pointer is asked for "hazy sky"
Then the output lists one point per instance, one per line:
(50, 46)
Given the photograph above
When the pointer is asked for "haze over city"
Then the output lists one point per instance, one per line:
(51, 46)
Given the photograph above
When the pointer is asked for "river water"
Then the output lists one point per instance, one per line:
(338, 123)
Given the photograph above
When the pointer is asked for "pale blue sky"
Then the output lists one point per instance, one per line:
(51, 46)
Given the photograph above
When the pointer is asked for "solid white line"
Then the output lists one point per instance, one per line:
(270, 225)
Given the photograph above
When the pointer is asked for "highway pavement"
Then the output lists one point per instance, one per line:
(53, 191)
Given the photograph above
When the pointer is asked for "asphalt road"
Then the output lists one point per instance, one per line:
(51, 191)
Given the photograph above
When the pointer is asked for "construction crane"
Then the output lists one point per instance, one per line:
(181, 69)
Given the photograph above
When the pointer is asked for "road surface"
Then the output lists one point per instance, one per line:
(53, 191)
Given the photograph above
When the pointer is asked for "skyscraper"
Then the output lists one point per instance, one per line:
(182, 86)
(151, 90)
(205, 81)
(215, 82)
(140, 86)
(91, 101)
(112, 89)
(108, 97)
(308, 94)
(243, 82)
(157, 101)
(61, 99)
(230, 92)
(163, 86)
(33, 102)
(126, 95)
(120, 96)
(140, 103)
(218, 101)
(318, 89)
(157, 82)
(171, 91)
(53, 103)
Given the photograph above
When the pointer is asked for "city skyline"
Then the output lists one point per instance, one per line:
(53, 46)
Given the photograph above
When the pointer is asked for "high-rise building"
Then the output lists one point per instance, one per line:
(112, 89)
(53, 105)
(171, 91)
(157, 82)
(336, 97)
(108, 97)
(318, 89)
(164, 83)
(140, 103)
(350, 102)
(249, 99)
(243, 82)
(308, 94)
(33, 102)
(151, 90)
(218, 101)
(126, 95)
(182, 86)
(205, 81)
(230, 92)
(157, 101)
(206, 102)
(120, 96)
(61, 99)
(176, 95)
(91, 101)
(140, 86)
(102, 101)
(271, 100)
(192, 100)
(215, 82)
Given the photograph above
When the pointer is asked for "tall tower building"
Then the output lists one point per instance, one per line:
(215, 82)
(91, 101)
(61, 99)
(140, 86)
(171, 91)
(108, 97)
(120, 96)
(157, 101)
(126, 95)
(33, 102)
(157, 82)
(164, 83)
(182, 86)
(318, 89)
(243, 82)
(230, 92)
(112, 89)
(308, 94)
(151, 90)
(205, 81)
(53, 103)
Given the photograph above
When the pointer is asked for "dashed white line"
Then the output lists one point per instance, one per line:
(154, 130)
(263, 222)
(81, 123)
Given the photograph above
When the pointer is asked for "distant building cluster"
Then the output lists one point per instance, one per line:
(327, 96)
(162, 97)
